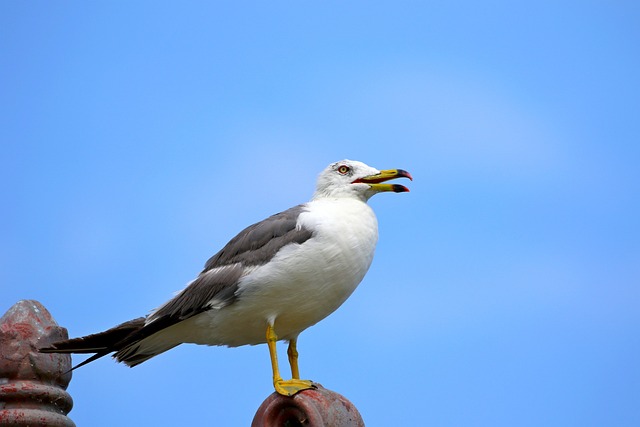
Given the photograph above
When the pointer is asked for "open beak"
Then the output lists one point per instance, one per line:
(375, 181)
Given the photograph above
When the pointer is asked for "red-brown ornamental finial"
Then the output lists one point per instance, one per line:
(32, 385)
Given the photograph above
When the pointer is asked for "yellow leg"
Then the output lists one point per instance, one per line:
(288, 387)
(292, 352)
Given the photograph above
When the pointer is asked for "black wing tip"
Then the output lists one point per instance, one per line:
(60, 348)
(53, 348)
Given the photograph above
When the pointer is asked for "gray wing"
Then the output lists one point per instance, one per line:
(215, 287)
(217, 284)
(258, 243)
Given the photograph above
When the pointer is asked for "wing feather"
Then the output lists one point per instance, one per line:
(215, 287)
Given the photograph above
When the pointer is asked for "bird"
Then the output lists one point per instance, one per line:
(269, 283)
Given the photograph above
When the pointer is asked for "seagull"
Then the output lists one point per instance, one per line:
(272, 281)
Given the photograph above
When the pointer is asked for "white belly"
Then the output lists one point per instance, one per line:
(302, 284)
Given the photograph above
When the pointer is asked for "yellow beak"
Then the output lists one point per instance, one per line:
(375, 181)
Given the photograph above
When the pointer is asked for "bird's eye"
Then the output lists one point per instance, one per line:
(343, 169)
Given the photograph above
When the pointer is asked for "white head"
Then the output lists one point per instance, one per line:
(350, 178)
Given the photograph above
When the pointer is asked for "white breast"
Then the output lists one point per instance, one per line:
(303, 283)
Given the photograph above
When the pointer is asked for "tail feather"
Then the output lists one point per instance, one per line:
(89, 360)
(133, 342)
(94, 343)
(102, 343)
(133, 355)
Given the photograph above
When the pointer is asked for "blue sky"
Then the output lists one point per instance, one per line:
(138, 137)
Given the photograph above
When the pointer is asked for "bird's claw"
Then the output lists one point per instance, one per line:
(293, 386)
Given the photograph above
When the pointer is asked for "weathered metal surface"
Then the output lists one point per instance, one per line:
(309, 408)
(32, 385)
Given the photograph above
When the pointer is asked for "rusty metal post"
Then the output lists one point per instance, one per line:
(310, 408)
(32, 385)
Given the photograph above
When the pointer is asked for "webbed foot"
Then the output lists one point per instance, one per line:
(293, 386)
